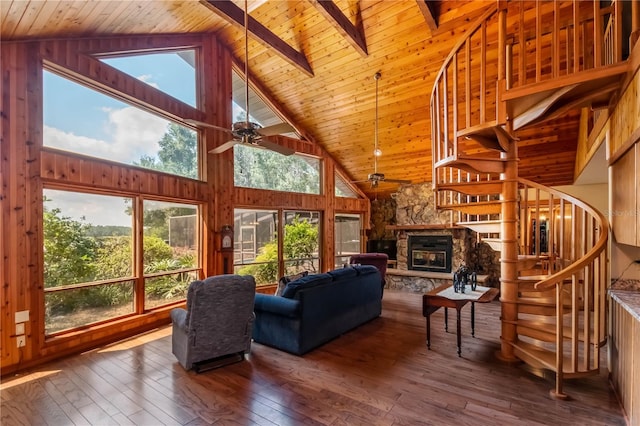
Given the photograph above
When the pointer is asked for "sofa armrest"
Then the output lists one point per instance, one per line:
(277, 305)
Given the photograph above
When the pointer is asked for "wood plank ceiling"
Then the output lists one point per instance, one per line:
(333, 102)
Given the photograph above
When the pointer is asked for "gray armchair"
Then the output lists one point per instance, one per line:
(215, 329)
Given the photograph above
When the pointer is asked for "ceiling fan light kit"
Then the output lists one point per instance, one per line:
(376, 177)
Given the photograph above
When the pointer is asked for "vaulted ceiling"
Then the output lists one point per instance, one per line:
(317, 60)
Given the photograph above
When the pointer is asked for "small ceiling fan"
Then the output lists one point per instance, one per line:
(247, 132)
(375, 178)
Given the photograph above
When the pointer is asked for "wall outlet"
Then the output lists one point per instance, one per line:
(22, 316)
(21, 341)
(20, 328)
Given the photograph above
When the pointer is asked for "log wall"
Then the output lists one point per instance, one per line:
(26, 167)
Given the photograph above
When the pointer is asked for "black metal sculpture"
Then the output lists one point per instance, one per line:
(463, 277)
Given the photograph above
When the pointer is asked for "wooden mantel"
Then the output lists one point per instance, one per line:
(422, 227)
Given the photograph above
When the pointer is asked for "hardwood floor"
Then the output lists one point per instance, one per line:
(379, 374)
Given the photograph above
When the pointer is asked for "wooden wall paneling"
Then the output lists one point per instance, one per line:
(625, 119)
(625, 368)
(624, 199)
(327, 240)
(216, 103)
(21, 140)
(33, 226)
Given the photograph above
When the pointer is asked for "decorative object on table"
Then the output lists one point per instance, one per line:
(463, 277)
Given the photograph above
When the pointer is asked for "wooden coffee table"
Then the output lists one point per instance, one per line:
(445, 297)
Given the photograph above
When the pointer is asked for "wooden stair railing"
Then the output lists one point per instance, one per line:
(577, 242)
(554, 320)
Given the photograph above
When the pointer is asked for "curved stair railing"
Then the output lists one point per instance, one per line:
(561, 323)
(486, 90)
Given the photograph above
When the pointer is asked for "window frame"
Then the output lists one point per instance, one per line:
(138, 277)
(91, 84)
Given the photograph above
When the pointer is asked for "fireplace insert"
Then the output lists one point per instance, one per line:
(431, 253)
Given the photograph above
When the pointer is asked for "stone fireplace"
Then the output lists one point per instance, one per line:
(430, 248)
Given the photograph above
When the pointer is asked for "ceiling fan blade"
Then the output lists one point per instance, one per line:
(225, 146)
(276, 129)
(198, 123)
(275, 147)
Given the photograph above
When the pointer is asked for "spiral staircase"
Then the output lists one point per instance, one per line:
(545, 59)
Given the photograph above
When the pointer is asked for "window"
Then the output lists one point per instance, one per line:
(88, 258)
(301, 242)
(256, 244)
(84, 121)
(347, 237)
(256, 249)
(342, 188)
(172, 72)
(170, 251)
(264, 169)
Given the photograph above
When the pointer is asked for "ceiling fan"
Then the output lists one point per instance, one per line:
(375, 178)
(247, 132)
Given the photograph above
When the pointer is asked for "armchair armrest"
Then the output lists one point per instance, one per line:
(179, 318)
(277, 305)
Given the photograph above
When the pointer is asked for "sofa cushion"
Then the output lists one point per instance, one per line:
(282, 282)
(305, 282)
(343, 273)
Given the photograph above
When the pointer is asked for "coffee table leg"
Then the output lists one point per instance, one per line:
(473, 319)
(458, 331)
(429, 332)
(446, 319)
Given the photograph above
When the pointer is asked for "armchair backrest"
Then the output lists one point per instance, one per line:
(221, 302)
(379, 260)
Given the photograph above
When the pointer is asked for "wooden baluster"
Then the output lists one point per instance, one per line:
(467, 81)
(558, 393)
(483, 71)
(449, 141)
(556, 39)
(617, 30)
(597, 35)
(522, 72)
(576, 36)
(455, 98)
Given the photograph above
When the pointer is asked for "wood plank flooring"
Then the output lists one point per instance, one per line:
(379, 374)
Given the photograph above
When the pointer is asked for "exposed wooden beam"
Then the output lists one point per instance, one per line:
(429, 10)
(354, 35)
(232, 13)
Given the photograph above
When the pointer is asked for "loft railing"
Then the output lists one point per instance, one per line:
(464, 94)
(559, 38)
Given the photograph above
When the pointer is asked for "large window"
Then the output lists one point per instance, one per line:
(342, 188)
(264, 169)
(88, 258)
(90, 263)
(256, 244)
(256, 250)
(84, 121)
(171, 72)
(347, 237)
(170, 251)
(301, 242)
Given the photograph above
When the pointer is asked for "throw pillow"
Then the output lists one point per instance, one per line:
(282, 282)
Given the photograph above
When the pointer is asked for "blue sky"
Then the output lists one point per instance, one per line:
(86, 121)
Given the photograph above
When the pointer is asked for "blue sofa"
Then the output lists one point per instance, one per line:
(317, 308)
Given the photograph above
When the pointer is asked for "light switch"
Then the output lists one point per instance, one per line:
(19, 328)
(22, 316)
